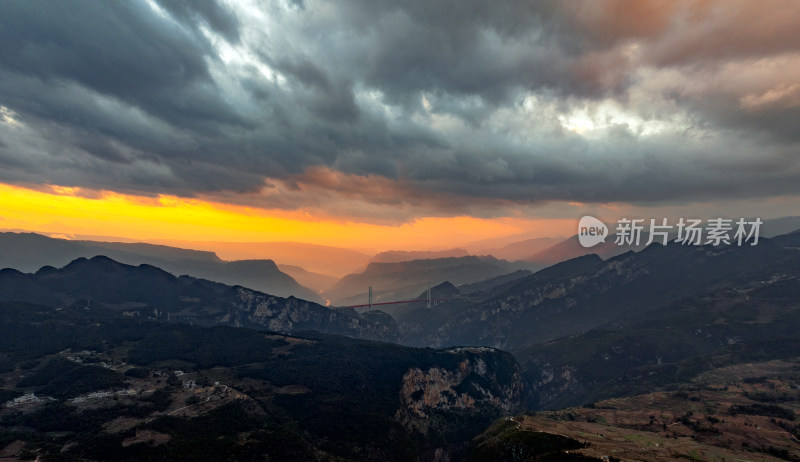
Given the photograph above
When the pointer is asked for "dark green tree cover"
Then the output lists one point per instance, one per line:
(350, 391)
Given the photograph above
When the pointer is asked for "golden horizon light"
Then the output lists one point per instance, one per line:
(68, 211)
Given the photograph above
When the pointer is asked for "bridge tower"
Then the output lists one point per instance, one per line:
(429, 298)
(370, 298)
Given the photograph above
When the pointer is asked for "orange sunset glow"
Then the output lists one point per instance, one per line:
(69, 211)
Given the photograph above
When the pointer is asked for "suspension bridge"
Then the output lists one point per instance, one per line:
(430, 301)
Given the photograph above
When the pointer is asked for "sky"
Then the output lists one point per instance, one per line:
(415, 124)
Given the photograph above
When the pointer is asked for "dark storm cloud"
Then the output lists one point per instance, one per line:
(445, 107)
(216, 16)
(330, 100)
(463, 48)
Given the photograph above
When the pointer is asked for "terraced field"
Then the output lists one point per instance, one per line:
(743, 412)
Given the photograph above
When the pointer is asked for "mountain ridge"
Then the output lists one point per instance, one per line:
(30, 251)
(146, 291)
(404, 280)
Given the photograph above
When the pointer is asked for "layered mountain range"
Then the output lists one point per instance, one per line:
(148, 292)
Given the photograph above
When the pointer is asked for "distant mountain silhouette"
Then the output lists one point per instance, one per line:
(394, 256)
(405, 280)
(571, 248)
(28, 252)
(315, 281)
(148, 292)
(520, 250)
(324, 259)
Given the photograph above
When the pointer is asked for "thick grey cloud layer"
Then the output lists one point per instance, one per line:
(404, 108)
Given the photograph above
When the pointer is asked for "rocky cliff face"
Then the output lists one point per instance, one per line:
(149, 292)
(588, 292)
(482, 385)
(250, 308)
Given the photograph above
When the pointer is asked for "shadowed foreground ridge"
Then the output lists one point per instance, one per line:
(147, 292)
(83, 382)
